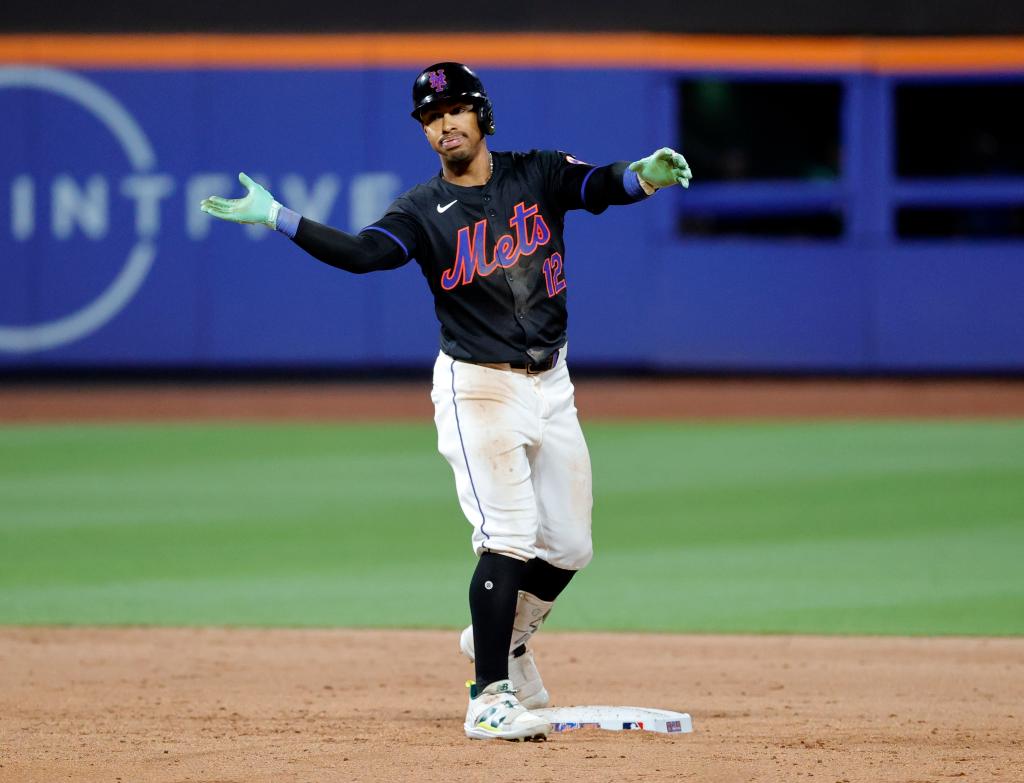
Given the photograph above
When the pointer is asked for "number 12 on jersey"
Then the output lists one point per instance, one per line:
(553, 274)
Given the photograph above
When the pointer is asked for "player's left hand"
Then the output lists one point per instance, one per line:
(665, 167)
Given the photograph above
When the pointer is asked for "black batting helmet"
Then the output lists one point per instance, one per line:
(452, 81)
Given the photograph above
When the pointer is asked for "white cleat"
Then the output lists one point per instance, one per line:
(522, 671)
(497, 714)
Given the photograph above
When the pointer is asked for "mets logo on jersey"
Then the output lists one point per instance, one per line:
(529, 232)
(437, 79)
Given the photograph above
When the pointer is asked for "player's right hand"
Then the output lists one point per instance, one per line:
(257, 206)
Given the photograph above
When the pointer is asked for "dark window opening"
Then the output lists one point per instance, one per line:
(734, 129)
(960, 129)
(808, 225)
(975, 222)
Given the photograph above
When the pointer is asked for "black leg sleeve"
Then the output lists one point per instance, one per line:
(493, 592)
(545, 580)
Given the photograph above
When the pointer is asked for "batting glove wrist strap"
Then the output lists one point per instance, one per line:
(646, 186)
(275, 209)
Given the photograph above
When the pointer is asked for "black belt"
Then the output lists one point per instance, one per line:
(535, 367)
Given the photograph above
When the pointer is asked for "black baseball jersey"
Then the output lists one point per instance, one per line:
(492, 254)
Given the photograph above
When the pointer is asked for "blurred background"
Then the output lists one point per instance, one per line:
(857, 208)
(857, 212)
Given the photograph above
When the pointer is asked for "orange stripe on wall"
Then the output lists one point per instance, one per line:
(930, 55)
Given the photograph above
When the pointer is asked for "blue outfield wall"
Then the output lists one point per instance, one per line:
(106, 261)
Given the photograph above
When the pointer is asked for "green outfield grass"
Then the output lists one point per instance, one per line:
(866, 527)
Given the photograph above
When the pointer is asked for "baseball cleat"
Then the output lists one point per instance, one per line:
(496, 713)
(522, 671)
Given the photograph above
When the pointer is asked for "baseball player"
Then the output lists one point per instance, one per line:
(487, 234)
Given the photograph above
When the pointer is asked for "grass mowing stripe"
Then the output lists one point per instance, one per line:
(868, 527)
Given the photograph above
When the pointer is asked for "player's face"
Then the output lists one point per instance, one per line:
(452, 130)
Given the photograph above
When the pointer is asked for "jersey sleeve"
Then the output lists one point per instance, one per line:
(579, 185)
(387, 244)
(401, 225)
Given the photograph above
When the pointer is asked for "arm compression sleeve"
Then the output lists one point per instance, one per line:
(609, 185)
(367, 251)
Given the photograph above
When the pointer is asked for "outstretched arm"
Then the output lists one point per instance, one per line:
(595, 188)
(368, 251)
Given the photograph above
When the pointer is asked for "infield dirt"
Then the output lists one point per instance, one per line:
(629, 398)
(249, 705)
(341, 705)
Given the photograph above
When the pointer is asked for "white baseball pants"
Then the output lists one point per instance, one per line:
(522, 469)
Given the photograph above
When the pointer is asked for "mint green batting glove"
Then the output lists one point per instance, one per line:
(665, 167)
(257, 206)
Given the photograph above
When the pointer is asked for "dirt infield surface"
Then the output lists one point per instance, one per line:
(127, 705)
(332, 705)
(627, 398)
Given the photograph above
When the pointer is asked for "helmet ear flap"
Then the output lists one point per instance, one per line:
(485, 114)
